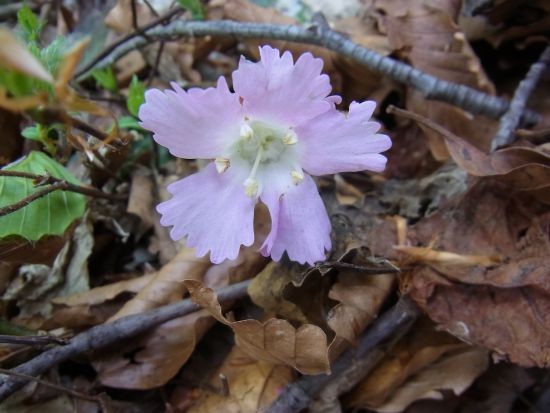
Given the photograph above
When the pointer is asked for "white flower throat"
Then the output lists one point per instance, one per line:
(270, 154)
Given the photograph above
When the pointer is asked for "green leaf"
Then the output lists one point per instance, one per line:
(194, 7)
(105, 78)
(41, 134)
(136, 95)
(29, 23)
(52, 54)
(32, 132)
(49, 215)
(129, 122)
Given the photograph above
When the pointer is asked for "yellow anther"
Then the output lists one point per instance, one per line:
(251, 187)
(290, 138)
(222, 164)
(297, 176)
(246, 132)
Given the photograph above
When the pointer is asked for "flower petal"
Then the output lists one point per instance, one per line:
(335, 143)
(213, 211)
(299, 224)
(277, 90)
(198, 123)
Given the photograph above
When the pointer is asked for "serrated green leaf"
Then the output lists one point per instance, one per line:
(136, 95)
(49, 215)
(29, 23)
(195, 7)
(52, 54)
(105, 78)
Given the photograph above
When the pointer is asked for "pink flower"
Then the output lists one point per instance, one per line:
(279, 127)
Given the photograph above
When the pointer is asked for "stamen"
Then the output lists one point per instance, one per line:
(222, 164)
(251, 187)
(290, 138)
(246, 132)
(251, 184)
(297, 176)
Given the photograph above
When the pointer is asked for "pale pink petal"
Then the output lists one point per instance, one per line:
(213, 211)
(333, 143)
(198, 123)
(299, 224)
(277, 90)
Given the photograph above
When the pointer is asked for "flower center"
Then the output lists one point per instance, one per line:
(268, 152)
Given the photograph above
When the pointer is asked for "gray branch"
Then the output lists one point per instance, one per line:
(511, 119)
(465, 97)
(104, 335)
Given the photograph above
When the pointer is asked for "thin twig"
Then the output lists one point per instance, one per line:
(465, 97)
(40, 180)
(104, 335)
(511, 119)
(84, 71)
(31, 340)
(133, 7)
(395, 321)
(63, 389)
(86, 127)
(154, 69)
(9, 209)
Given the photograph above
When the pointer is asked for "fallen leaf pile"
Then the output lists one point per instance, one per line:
(459, 232)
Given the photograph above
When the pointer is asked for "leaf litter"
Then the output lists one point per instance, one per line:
(461, 231)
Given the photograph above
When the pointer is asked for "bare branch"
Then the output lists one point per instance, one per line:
(56, 184)
(465, 97)
(63, 389)
(31, 340)
(511, 119)
(8, 209)
(104, 335)
(84, 71)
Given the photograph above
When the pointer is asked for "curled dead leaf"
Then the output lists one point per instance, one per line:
(275, 341)
(524, 169)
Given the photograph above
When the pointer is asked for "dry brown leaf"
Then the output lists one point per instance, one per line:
(149, 364)
(425, 33)
(140, 200)
(455, 371)
(504, 307)
(275, 341)
(522, 168)
(360, 297)
(418, 350)
(429, 255)
(267, 288)
(99, 295)
(120, 16)
(253, 385)
(167, 285)
(346, 193)
(14, 55)
(155, 358)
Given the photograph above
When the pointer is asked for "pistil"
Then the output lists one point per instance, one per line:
(251, 184)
